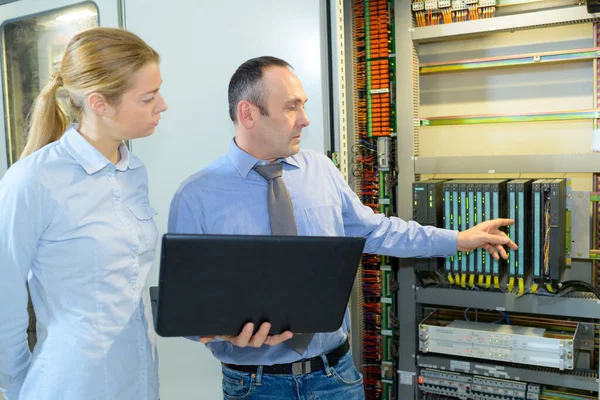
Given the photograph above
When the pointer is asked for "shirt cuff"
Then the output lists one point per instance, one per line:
(444, 242)
(197, 339)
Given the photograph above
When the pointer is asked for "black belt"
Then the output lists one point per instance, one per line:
(299, 367)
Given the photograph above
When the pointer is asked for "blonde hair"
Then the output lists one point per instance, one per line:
(98, 60)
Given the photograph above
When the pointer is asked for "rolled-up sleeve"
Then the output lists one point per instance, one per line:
(391, 236)
(22, 221)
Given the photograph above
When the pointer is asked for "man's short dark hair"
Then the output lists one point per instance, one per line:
(246, 84)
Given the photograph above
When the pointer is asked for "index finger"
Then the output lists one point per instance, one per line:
(502, 222)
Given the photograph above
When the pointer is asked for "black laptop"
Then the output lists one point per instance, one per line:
(215, 284)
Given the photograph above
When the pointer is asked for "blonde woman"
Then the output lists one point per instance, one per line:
(76, 223)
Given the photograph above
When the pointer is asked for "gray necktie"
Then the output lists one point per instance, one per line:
(281, 215)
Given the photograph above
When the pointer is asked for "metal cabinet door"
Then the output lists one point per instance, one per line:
(13, 12)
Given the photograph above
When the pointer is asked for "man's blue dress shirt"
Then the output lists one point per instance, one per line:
(228, 197)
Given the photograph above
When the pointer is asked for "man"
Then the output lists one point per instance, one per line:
(235, 195)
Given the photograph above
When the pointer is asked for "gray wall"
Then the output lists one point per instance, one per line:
(201, 44)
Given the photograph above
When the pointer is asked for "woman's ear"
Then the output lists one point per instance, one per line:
(98, 105)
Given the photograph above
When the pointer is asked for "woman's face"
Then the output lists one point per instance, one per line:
(139, 111)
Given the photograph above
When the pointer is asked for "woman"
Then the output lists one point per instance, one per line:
(76, 223)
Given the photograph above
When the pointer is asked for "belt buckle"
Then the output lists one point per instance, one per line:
(301, 368)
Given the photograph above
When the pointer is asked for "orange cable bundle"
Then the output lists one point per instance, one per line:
(447, 15)
(420, 18)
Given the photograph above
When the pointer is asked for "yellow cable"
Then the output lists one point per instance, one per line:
(450, 279)
(549, 288)
(457, 278)
(480, 282)
(463, 281)
(534, 287)
(471, 280)
(521, 287)
(488, 281)
(497, 282)
(511, 284)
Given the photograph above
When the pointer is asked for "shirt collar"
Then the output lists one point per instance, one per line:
(244, 162)
(90, 158)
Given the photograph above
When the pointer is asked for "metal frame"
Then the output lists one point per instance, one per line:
(122, 18)
(339, 83)
(563, 16)
(510, 61)
(3, 65)
(581, 340)
(406, 109)
(585, 306)
(409, 315)
(411, 299)
(546, 163)
(507, 118)
(356, 300)
(580, 224)
(577, 379)
(122, 10)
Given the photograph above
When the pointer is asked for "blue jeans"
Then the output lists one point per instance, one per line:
(342, 382)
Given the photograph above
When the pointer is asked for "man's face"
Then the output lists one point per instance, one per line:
(279, 133)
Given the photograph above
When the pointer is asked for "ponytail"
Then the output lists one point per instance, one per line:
(97, 60)
(48, 119)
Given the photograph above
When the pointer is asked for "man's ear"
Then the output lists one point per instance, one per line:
(98, 105)
(246, 114)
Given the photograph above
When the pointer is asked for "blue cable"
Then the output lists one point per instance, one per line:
(467, 318)
(504, 317)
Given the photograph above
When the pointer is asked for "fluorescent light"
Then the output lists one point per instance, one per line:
(75, 15)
